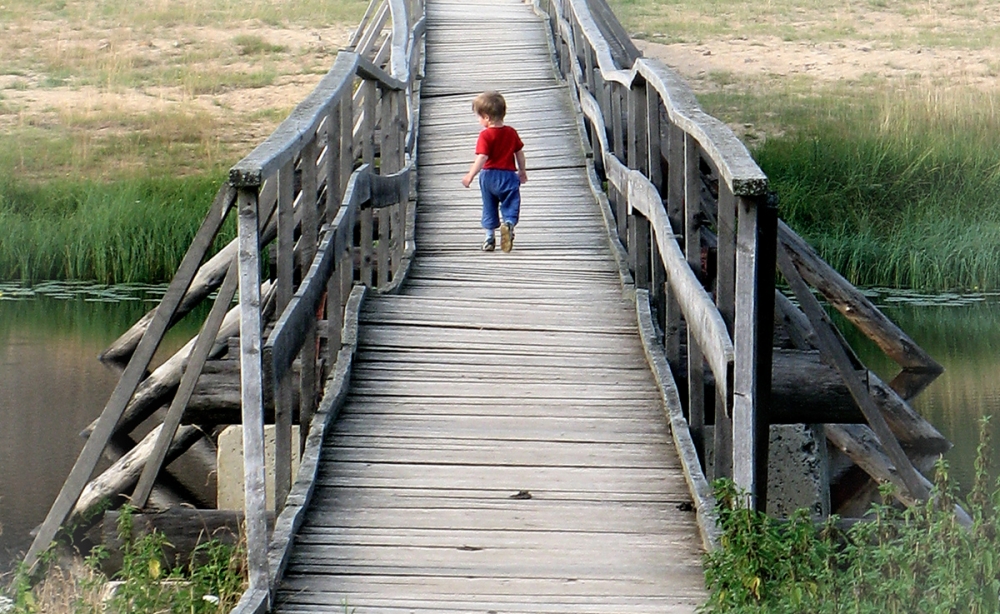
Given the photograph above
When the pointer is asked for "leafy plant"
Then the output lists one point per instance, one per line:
(212, 584)
(914, 561)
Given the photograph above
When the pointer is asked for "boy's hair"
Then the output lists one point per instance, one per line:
(491, 104)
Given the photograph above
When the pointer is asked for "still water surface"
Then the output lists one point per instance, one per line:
(52, 385)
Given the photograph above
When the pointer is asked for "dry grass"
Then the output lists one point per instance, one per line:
(99, 89)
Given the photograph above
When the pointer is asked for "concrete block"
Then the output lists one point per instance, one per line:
(230, 477)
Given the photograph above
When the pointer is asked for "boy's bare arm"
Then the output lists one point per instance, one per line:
(522, 172)
(477, 165)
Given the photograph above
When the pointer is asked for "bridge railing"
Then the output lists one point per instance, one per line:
(651, 142)
(698, 227)
(332, 186)
(337, 224)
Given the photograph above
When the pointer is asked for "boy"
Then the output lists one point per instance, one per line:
(497, 150)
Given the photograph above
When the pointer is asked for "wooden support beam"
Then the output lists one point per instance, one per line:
(195, 362)
(134, 373)
(752, 336)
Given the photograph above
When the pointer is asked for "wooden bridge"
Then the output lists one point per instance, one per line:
(522, 432)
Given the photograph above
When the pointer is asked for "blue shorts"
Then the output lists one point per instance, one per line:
(501, 197)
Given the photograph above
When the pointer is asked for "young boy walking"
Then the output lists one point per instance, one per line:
(497, 150)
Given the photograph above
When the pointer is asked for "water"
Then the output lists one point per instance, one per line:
(52, 385)
(962, 332)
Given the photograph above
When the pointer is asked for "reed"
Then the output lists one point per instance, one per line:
(902, 190)
(128, 231)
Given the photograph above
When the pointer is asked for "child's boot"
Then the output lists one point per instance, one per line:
(506, 237)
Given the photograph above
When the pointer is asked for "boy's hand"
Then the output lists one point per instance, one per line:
(467, 180)
(523, 176)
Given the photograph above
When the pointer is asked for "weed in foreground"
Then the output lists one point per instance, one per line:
(913, 561)
(211, 583)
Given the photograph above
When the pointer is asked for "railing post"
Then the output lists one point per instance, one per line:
(725, 298)
(692, 250)
(308, 240)
(654, 155)
(675, 213)
(283, 387)
(638, 151)
(255, 507)
(756, 240)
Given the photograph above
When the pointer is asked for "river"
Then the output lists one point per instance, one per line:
(52, 385)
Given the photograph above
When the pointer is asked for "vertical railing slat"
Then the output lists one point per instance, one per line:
(251, 396)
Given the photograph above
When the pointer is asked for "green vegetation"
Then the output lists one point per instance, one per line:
(914, 561)
(128, 231)
(900, 190)
(212, 582)
(811, 21)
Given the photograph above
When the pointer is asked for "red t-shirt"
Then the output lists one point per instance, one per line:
(499, 145)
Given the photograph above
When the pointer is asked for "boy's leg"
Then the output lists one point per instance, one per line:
(510, 210)
(491, 202)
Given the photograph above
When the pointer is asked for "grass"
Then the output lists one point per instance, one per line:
(935, 23)
(122, 232)
(899, 190)
(913, 561)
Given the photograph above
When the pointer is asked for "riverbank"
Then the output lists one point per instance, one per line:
(118, 122)
(876, 123)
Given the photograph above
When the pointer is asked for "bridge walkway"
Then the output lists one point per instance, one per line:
(503, 447)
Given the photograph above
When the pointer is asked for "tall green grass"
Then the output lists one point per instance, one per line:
(896, 188)
(133, 230)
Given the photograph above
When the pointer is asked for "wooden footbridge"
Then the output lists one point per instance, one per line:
(489, 432)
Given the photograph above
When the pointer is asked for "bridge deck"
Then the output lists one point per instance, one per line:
(503, 447)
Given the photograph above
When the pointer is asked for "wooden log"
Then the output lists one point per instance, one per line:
(216, 396)
(863, 446)
(850, 302)
(163, 381)
(804, 390)
(832, 349)
(909, 427)
(124, 473)
(184, 529)
(206, 281)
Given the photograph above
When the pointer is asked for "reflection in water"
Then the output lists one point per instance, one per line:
(51, 386)
(963, 334)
